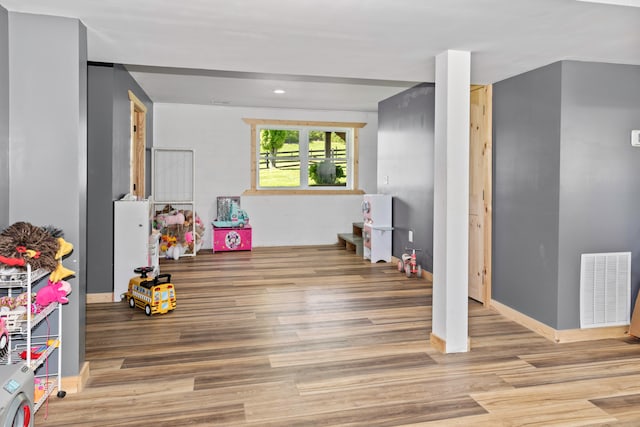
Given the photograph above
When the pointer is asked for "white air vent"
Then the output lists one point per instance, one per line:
(605, 289)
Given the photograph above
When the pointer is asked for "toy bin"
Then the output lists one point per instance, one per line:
(231, 238)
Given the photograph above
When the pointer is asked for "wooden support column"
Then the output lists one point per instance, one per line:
(451, 203)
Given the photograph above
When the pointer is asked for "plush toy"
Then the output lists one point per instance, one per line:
(23, 243)
(64, 248)
(167, 242)
(175, 252)
(194, 242)
(54, 291)
(167, 220)
(41, 247)
(61, 272)
(8, 303)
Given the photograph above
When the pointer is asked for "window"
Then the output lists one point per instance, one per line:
(304, 157)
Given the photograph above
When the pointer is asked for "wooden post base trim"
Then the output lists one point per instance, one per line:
(563, 335)
(96, 298)
(438, 343)
(76, 384)
(441, 345)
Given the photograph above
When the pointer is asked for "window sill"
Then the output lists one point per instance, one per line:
(297, 192)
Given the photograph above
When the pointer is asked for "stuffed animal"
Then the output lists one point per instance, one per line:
(54, 291)
(175, 251)
(59, 273)
(8, 303)
(23, 243)
(167, 220)
(167, 242)
(188, 237)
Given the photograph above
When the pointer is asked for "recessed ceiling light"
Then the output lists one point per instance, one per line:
(279, 91)
(631, 3)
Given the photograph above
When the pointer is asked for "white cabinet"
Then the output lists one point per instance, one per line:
(377, 243)
(377, 229)
(130, 242)
(35, 339)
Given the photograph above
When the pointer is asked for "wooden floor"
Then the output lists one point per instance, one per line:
(315, 336)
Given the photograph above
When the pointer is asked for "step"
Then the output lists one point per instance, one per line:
(351, 242)
(357, 228)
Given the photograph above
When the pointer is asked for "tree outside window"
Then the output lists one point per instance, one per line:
(304, 156)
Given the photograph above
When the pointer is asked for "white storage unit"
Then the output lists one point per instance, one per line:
(377, 229)
(130, 242)
(40, 333)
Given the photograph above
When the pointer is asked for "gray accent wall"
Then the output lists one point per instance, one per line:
(405, 167)
(100, 179)
(108, 162)
(526, 178)
(565, 183)
(599, 174)
(4, 118)
(47, 68)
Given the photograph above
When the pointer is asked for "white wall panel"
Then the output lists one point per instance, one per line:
(221, 141)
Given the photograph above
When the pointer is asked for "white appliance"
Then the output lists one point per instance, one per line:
(376, 233)
(131, 227)
(16, 396)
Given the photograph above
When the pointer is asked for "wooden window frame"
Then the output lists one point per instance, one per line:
(254, 190)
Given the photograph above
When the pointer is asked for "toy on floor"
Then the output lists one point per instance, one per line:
(408, 264)
(155, 295)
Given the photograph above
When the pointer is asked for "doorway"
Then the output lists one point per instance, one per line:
(480, 197)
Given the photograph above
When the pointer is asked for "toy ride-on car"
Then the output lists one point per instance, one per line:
(155, 295)
(408, 264)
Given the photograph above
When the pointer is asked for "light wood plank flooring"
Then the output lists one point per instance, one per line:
(315, 336)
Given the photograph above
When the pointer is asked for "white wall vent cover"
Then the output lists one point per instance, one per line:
(605, 289)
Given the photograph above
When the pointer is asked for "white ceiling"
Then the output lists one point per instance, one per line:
(336, 54)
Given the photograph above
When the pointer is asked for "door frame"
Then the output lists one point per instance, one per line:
(138, 126)
(486, 101)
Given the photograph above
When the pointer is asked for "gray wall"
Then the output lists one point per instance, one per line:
(100, 179)
(599, 174)
(108, 162)
(47, 67)
(526, 176)
(4, 118)
(565, 182)
(405, 156)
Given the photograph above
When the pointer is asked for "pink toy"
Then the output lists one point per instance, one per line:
(54, 291)
(175, 219)
(14, 302)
